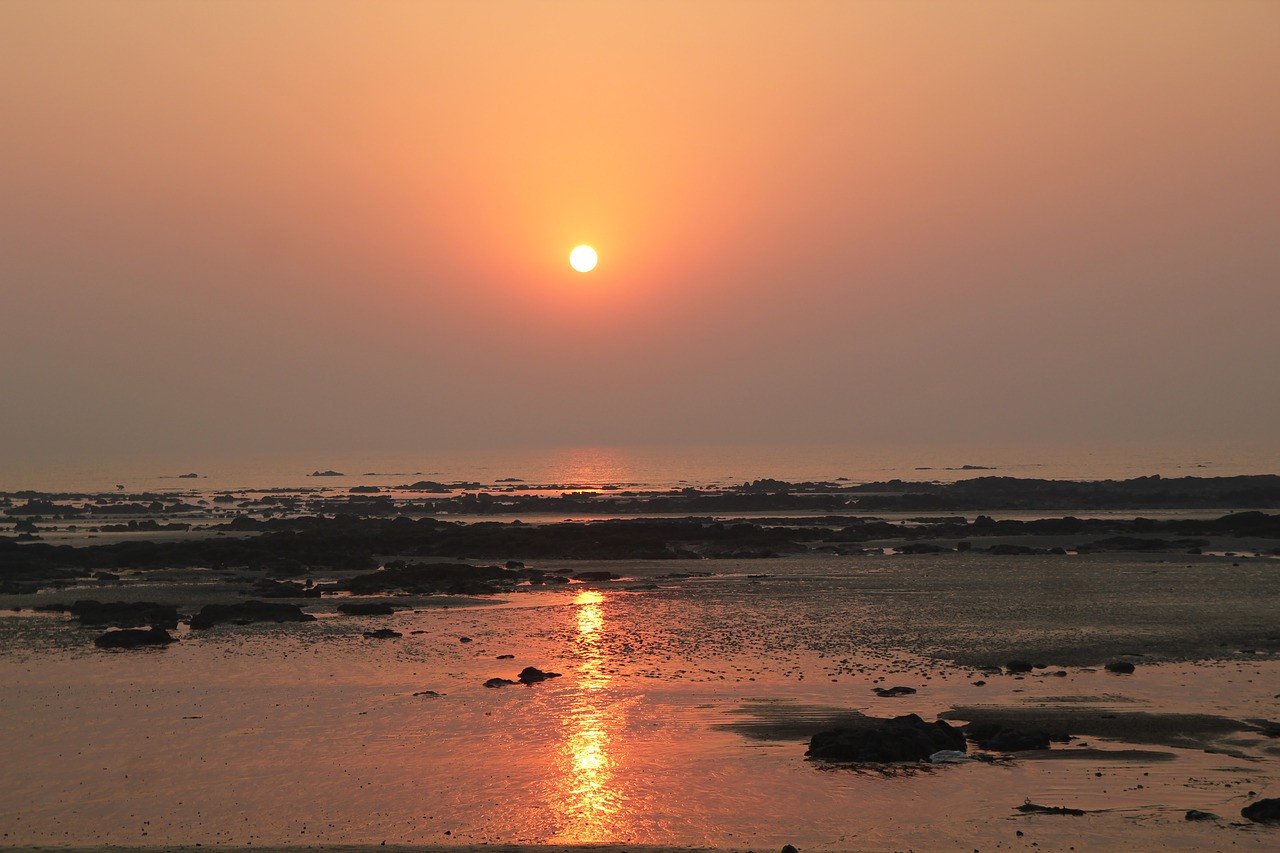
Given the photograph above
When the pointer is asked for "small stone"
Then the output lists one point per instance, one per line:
(533, 675)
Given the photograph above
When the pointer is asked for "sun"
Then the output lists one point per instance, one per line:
(583, 259)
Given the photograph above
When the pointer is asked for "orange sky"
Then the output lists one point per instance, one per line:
(241, 226)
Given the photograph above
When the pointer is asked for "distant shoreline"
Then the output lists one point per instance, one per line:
(1258, 491)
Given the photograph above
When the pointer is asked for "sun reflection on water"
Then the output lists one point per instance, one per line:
(587, 795)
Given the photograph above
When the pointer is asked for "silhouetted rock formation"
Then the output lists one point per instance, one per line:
(891, 692)
(906, 738)
(283, 589)
(133, 638)
(247, 612)
(533, 675)
(1263, 811)
(1001, 738)
(302, 530)
(425, 578)
(366, 609)
(1034, 808)
(125, 614)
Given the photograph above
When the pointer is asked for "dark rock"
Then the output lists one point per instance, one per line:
(382, 634)
(428, 578)
(1018, 666)
(105, 576)
(134, 638)
(787, 848)
(284, 589)
(430, 694)
(505, 657)
(326, 474)
(284, 568)
(125, 614)
(371, 608)
(906, 738)
(426, 486)
(246, 612)
(1267, 728)
(890, 692)
(596, 576)
(1263, 811)
(1120, 666)
(1032, 808)
(920, 548)
(533, 675)
(1196, 814)
(1009, 549)
(499, 682)
(465, 640)
(1000, 738)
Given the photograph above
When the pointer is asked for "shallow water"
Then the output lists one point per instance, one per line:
(311, 733)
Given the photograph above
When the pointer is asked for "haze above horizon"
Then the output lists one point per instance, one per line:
(332, 227)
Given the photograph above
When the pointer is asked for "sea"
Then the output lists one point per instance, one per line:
(635, 467)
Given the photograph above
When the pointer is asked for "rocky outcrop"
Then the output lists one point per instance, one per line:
(1036, 808)
(134, 638)
(366, 608)
(1263, 811)
(247, 612)
(125, 614)
(533, 675)
(1000, 738)
(268, 588)
(596, 576)
(905, 738)
(892, 692)
(427, 578)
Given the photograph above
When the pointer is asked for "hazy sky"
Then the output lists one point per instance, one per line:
(251, 226)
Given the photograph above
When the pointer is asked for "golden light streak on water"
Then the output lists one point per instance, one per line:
(588, 796)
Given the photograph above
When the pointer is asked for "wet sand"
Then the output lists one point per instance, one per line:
(689, 689)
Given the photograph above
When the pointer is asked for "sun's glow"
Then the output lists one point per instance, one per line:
(583, 259)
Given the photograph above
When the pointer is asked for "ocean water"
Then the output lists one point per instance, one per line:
(642, 467)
